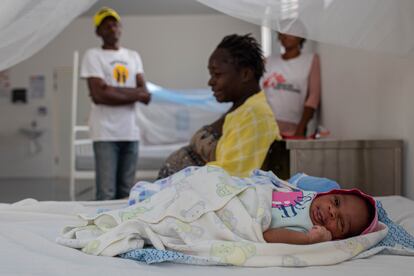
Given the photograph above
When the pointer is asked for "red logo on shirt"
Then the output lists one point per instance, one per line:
(273, 80)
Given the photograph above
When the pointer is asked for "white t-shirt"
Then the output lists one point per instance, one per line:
(286, 86)
(117, 68)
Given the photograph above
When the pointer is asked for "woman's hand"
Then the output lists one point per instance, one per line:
(319, 234)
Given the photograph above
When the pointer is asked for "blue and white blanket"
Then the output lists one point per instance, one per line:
(205, 216)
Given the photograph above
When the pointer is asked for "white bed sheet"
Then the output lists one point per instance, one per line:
(27, 247)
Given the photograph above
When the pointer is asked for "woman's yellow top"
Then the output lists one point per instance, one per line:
(247, 135)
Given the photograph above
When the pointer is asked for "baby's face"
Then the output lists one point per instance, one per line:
(343, 215)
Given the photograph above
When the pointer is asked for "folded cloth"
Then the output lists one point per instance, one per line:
(313, 183)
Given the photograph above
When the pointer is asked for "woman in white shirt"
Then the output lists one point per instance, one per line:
(292, 84)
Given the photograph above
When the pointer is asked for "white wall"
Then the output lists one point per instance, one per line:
(369, 96)
(174, 49)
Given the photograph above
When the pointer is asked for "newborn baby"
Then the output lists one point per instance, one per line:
(302, 217)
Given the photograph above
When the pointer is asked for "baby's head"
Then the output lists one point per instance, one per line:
(345, 213)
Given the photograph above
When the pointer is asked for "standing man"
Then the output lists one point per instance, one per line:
(116, 83)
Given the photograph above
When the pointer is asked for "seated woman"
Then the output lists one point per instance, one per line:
(239, 140)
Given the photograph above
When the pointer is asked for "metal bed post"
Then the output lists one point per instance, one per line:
(72, 184)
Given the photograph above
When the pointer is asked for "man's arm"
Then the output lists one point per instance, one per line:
(142, 87)
(283, 235)
(101, 93)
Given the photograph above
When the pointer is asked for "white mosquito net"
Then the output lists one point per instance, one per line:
(26, 26)
(379, 25)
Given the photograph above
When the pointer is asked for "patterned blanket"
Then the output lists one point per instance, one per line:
(207, 217)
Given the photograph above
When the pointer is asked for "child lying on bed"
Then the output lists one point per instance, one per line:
(299, 217)
(302, 217)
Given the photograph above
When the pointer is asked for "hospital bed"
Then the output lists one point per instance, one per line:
(29, 229)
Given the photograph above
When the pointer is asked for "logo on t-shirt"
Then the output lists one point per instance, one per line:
(278, 82)
(120, 73)
(290, 202)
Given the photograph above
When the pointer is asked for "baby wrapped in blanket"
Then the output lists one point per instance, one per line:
(302, 217)
(205, 213)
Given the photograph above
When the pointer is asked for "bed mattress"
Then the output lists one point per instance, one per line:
(28, 230)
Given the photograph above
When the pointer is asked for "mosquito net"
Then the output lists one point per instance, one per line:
(379, 25)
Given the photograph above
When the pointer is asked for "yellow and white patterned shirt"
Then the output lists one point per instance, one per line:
(248, 133)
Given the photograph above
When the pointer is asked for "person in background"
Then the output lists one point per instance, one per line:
(292, 84)
(239, 140)
(116, 83)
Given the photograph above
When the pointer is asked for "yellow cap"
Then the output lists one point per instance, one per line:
(104, 13)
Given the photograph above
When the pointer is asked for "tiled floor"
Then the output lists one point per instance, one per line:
(12, 190)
